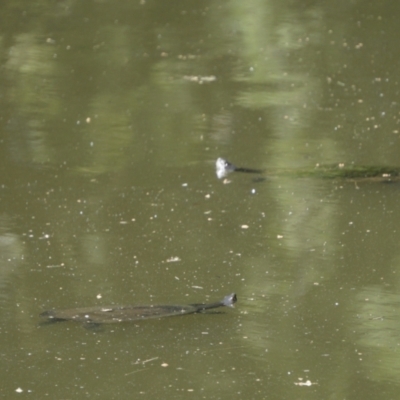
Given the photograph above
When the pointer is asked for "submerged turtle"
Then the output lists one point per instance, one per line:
(115, 314)
(351, 173)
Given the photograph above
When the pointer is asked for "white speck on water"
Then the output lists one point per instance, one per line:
(173, 259)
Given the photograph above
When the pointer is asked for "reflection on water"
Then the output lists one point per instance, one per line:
(377, 326)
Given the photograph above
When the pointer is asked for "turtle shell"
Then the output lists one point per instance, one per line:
(115, 314)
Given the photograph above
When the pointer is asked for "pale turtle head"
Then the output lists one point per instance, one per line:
(229, 300)
(223, 168)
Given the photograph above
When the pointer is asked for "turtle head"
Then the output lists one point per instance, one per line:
(223, 167)
(229, 300)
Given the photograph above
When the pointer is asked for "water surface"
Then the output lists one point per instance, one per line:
(112, 117)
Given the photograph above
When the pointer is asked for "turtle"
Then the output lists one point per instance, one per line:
(115, 314)
(351, 173)
(224, 167)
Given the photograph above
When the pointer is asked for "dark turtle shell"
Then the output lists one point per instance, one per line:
(115, 314)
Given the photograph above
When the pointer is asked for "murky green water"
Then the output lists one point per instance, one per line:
(112, 116)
